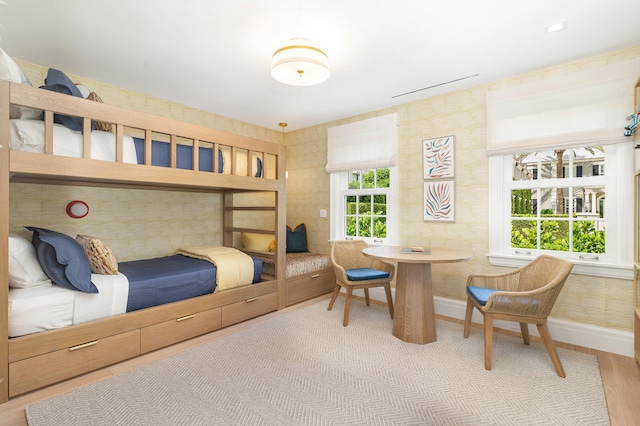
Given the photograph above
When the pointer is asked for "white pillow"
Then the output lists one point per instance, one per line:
(10, 71)
(24, 269)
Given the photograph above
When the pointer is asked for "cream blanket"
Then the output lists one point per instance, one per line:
(234, 268)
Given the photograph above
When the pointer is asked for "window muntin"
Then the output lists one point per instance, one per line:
(543, 214)
(363, 205)
(366, 204)
(591, 203)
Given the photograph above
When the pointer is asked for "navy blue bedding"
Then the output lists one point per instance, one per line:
(168, 279)
(161, 156)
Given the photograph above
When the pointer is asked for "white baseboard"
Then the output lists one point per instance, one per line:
(571, 332)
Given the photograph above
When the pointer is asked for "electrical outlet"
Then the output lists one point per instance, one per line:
(323, 212)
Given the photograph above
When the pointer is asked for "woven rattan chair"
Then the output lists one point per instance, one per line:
(525, 295)
(355, 271)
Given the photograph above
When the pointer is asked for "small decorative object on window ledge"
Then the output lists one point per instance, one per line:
(635, 120)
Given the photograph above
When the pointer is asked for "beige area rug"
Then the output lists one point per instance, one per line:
(305, 368)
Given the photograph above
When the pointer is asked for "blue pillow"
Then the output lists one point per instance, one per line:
(57, 81)
(259, 172)
(361, 274)
(63, 260)
(297, 239)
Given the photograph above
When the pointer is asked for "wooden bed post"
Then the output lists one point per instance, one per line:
(4, 241)
(227, 219)
(281, 228)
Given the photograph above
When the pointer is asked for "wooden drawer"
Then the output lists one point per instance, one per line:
(309, 286)
(36, 372)
(249, 308)
(169, 332)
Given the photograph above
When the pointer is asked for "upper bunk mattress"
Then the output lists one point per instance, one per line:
(28, 136)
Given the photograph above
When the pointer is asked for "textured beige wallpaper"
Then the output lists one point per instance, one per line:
(134, 223)
(591, 300)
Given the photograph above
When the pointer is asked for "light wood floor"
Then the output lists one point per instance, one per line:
(620, 375)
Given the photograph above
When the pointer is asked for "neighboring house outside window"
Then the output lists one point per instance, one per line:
(554, 120)
(582, 216)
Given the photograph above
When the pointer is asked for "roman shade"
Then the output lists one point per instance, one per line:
(366, 144)
(584, 108)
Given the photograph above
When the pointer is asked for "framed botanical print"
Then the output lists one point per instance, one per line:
(438, 204)
(438, 157)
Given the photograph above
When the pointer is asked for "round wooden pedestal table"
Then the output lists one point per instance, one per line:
(414, 318)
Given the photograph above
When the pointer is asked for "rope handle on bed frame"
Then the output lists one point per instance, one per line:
(84, 345)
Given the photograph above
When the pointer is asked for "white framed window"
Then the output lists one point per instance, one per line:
(361, 158)
(569, 205)
(583, 216)
(364, 205)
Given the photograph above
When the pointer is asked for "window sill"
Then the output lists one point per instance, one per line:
(605, 270)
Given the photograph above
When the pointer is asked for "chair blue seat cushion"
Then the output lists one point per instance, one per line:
(361, 274)
(481, 294)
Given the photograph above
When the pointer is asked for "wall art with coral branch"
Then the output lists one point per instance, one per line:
(438, 157)
(439, 201)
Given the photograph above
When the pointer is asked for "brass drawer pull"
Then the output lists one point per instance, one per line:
(315, 276)
(252, 299)
(185, 317)
(84, 345)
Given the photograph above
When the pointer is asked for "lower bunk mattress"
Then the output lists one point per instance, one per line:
(139, 284)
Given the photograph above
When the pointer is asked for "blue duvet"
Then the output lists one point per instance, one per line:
(168, 279)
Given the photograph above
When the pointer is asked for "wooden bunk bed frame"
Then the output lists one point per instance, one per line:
(34, 361)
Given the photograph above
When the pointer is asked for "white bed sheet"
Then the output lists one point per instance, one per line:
(48, 307)
(41, 308)
(28, 136)
(111, 299)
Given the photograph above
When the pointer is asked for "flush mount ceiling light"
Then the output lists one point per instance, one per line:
(300, 62)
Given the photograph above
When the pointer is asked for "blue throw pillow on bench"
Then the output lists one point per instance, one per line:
(297, 239)
(361, 274)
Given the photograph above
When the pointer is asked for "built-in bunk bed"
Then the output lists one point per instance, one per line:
(32, 361)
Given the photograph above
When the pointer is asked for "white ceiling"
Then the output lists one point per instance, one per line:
(215, 54)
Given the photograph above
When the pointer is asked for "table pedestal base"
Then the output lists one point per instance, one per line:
(414, 317)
